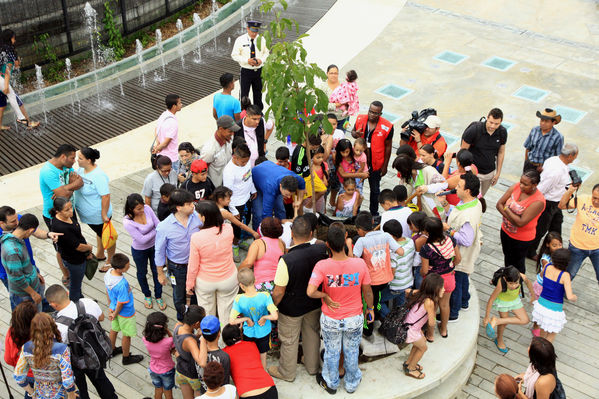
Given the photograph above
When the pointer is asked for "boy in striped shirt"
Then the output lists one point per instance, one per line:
(402, 268)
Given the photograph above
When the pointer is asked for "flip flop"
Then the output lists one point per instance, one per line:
(502, 350)
(105, 268)
(491, 333)
(148, 302)
(161, 304)
(4, 127)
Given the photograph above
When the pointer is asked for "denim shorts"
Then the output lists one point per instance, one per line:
(165, 381)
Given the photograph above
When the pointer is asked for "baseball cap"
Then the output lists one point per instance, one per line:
(210, 325)
(198, 166)
(433, 121)
(227, 122)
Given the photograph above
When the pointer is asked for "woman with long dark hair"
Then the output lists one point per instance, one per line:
(540, 380)
(92, 201)
(72, 246)
(211, 271)
(8, 62)
(141, 222)
(464, 163)
(48, 359)
(18, 333)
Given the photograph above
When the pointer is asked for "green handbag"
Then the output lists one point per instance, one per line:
(91, 265)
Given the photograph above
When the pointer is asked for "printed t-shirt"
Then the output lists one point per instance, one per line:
(375, 248)
(119, 291)
(583, 234)
(88, 199)
(223, 359)
(201, 190)
(226, 104)
(342, 281)
(161, 360)
(254, 307)
(239, 180)
(50, 179)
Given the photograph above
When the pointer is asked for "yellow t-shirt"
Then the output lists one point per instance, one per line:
(584, 233)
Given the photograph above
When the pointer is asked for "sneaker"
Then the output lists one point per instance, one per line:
(324, 385)
(465, 308)
(236, 257)
(132, 359)
(117, 351)
(451, 319)
(274, 372)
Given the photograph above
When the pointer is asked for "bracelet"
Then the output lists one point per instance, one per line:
(367, 308)
(47, 235)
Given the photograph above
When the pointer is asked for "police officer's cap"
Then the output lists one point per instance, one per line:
(254, 25)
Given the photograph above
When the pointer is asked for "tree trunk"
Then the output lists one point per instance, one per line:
(312, 174)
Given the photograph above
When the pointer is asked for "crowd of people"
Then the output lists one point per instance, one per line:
(301, 281)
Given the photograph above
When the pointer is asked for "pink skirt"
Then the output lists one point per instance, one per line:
(537, 288)
(449, 281)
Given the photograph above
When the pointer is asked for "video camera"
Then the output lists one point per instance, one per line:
(416, 123)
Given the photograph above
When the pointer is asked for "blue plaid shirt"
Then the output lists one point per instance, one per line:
(542, 147)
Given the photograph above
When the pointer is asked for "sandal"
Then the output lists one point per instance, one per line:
(161, 304)
(491, 333)
(27, 123)
(406, 368)
(105, 268)
(66, 281)
(148, 304)
(2, 127)
(420, 375)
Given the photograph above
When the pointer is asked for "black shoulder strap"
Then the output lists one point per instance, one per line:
(80, 309)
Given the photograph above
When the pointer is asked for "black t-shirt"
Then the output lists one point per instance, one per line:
(69, 240)
(484, 146)
(201, 191)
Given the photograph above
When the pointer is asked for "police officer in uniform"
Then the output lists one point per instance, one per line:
(251, 58)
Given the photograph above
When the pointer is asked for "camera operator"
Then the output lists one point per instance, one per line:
(378, 133)
(554, 181)
(486, 141)
(431, 135)
(584, 235)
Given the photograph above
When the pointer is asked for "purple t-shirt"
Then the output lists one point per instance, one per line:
(161, 360)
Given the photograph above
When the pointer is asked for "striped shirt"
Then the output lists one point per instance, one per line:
(21, 273)
(543, 146)
(403, 277)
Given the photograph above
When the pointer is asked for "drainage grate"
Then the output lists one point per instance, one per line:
(498, 63)
(391, 117)
(530, 93)
(570, 115)
(394, 91)
(450, 57)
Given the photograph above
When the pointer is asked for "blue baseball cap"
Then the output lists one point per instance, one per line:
(210, 325)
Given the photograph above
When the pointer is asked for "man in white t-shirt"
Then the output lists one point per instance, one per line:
(395, 209)
(58, 298)
(167, 131)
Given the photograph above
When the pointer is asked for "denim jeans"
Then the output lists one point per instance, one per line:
(76, 272)
(141, 258)
(257, 206)
(460, 295)
(16, 299)
(374, 180)
(417, 277)
(179, 272)
(336, 334)
(393, 298)
(577, 256)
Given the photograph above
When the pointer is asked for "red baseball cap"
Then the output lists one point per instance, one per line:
(198, 166)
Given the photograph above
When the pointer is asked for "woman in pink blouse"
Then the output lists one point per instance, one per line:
(211, 271)
(140, 222)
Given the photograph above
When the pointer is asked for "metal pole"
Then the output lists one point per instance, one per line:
(124, 16)
(65, 16)
(168, 11)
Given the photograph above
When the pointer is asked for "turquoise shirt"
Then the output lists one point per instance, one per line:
(50, 179)
(89, 197)
(254, 307)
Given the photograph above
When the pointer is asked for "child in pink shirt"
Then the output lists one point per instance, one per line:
(159, 342)
(345, 96)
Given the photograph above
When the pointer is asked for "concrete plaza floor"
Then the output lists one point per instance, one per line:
(537, 46)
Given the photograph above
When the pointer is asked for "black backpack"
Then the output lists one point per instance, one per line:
(89, 344)
(394, 328)
(558, 392)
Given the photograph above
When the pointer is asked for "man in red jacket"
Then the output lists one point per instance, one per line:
(378, 133)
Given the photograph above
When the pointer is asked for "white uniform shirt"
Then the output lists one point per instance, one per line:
(241, 51)
(554, 179)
